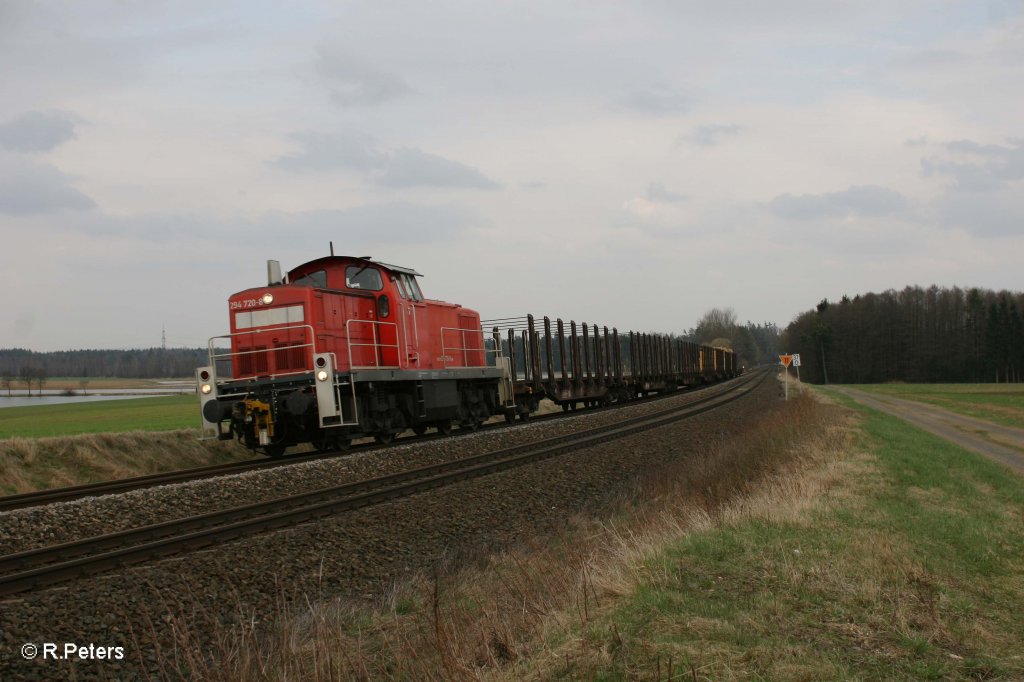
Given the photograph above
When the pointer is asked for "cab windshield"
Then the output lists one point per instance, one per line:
(363, 277)
(317, 279)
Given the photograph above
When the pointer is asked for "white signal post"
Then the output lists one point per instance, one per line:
(786, 359)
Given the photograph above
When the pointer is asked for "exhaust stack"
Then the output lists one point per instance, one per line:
(274, 273)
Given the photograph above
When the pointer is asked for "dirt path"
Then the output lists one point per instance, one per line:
(1004, 444)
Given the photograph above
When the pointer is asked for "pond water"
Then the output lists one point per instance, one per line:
(22, 401)
(168, 390)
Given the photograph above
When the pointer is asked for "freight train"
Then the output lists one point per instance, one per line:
(344, 348)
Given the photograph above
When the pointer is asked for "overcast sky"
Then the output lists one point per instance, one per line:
(631, 164)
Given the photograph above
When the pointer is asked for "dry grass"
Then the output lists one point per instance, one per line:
(28, 464)
(817, 544)
(527, 612)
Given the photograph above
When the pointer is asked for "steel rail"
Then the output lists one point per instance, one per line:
(174, 537)
(51, 495)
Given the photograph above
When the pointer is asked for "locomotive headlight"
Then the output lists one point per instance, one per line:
(322, 375)
(268, 298)
(206, 388)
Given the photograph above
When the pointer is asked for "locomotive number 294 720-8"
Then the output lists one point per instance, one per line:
(246, 303)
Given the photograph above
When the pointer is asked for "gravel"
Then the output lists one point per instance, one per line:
(25, 529)
(360, 553)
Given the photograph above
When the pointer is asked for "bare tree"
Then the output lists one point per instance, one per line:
(83, 383)
(6, 382)
(717, 323)
(27, 375)
(40, 378)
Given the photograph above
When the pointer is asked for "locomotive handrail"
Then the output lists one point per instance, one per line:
(214, 356)
(482, 349)
(376, 359)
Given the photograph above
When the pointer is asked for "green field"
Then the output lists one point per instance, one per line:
(1000, 403)
(912, 570)
(162, 413)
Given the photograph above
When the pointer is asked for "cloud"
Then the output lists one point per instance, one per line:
(978, 167)
(413, 168)
(986, 214)
(377, 224)
(27, 188)
(658, 100)
(320, 151)
(869, 201)
(354, 83)
(37, 131)
(406, 167)
(657, 192)
(711, 134)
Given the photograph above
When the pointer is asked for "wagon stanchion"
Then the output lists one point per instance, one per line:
(575, 346)
(607, 358)
(561, 353)
(632, 358)
(619, 355)
(586, 355)
(547, 347)
(534, 353)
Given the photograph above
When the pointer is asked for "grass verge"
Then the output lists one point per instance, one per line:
(999, 403)
(28, 464)
(822, 543)
(163, 413)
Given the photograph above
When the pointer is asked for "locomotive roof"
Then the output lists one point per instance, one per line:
(328, 260)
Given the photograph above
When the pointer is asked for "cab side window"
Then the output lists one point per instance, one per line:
(413, 288)
(400, 285)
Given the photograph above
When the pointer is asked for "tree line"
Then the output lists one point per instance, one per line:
(914, 335)
(17, 364)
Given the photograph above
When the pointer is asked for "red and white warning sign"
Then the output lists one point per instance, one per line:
(786, 359)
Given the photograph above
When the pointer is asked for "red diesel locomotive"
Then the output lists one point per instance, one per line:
(347, 348)
(344, 348)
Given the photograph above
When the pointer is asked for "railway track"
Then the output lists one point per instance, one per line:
(47, 566)
(49, 496)
(52, 495)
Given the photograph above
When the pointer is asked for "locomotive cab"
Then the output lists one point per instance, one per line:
(345, 348)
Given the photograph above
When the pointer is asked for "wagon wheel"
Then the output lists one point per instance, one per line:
(444, 427)
(419, 429)
(384, 437)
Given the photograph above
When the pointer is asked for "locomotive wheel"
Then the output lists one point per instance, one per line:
(275, 450)
(331, 443)
(444, 427)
